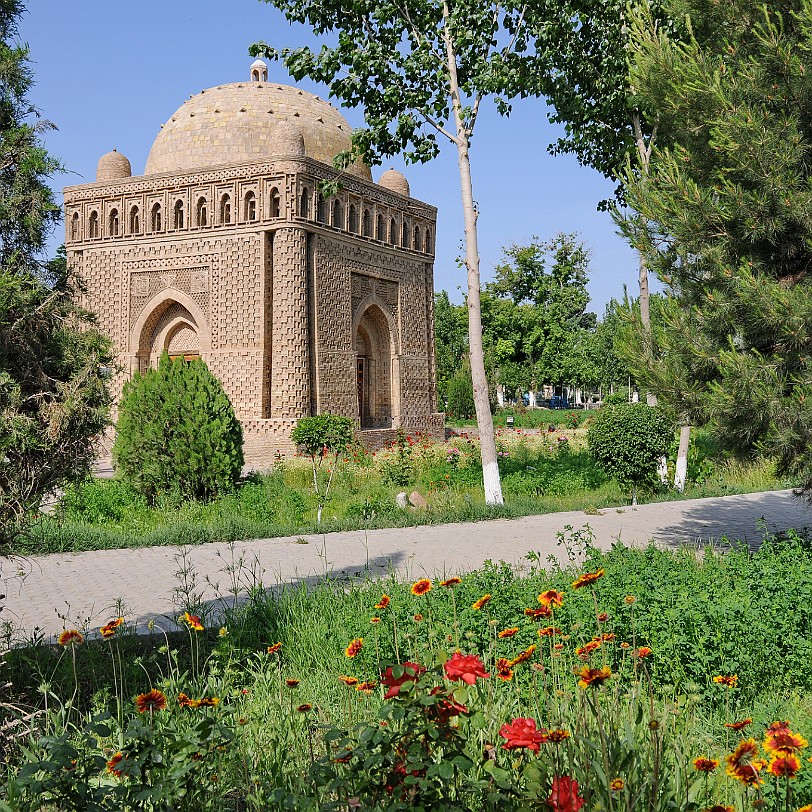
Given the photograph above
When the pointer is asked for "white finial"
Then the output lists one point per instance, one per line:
(259, 71)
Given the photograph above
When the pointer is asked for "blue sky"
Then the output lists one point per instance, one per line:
(108, 74)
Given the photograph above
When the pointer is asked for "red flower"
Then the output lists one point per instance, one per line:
(551, 598)
(466, 667)
(564, 795)
(445, 708)
(354, 647)
(421, 587)
(153, 700)
(537, 614)
(522, 733)
(411, 672)
(508, 632)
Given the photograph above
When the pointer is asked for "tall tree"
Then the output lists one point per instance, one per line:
(53, 396)
(421, 70)
(725, 217)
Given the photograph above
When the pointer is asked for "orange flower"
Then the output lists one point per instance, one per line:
(593, 645)
(606, 637)
(806, 808)
(728, 681)
(292, 683)
(617, 784)
(737, 726)
(481, 602)
(451, 582)
(208, 702)
(538, 614)
(192, 621)
(559, 646)
(603, 617)
(508, 632)
(503, 669)
(588, 578)
(559, 735)
(523, 656)
(642, 652)
(71, 637)
(551, 598)
(366, 687)
(383, 602)
(153, 700)
(630, 599)
(742, 764)
(109, 629)
(185, 701)
(304, 708)
(374, 620)
(421, 587)
(275, 648)
(549, 631)
(112, 765)
(418, 618)
(705, 765)
(786, 766)
(349, 680)
(625, 645)
(354, 647)
(593, 676)
(781, 741)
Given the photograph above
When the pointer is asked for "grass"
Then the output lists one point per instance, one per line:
(541, 473)
(720, 613)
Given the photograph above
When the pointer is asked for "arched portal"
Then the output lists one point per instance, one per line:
(375, 368)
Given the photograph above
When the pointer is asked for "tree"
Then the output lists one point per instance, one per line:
(321, 436)
(54, 401)
(461, 393)
(725, 217)
(628, 440)
(420, 70)
(177, 434)
(450, 339)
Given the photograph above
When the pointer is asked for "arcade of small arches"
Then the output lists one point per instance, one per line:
(351, 217)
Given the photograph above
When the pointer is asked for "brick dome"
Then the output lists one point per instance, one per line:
(240, 122)
(395, 181)
(113, 166)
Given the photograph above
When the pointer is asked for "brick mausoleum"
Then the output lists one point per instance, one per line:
(224, 250)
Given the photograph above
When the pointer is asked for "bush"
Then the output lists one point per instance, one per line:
(177, 434)
(461, 394)
(628, 440)
(616, 399)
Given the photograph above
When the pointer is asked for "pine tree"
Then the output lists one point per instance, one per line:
(54, 401)
(177, 436)
(725, 217)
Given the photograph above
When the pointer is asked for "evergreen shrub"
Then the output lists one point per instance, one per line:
(461, 394)
(177, 435)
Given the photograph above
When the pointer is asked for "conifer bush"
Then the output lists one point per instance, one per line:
(177, 434)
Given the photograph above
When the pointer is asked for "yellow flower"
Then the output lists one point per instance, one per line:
(588, 578)
(478, 604)
(421, 587)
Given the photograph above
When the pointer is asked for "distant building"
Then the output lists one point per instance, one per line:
(224, 250)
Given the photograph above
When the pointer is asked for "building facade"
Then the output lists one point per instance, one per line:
(224, 249)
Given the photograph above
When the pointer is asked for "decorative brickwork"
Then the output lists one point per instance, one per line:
(230, 255)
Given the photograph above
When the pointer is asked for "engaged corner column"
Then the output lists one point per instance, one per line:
(290, 336)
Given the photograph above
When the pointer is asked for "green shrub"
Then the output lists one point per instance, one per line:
(177, 433)
(100, 501)
(615, 399)
(461, 394)
(628, 440)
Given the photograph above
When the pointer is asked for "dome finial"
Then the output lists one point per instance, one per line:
(259, 71)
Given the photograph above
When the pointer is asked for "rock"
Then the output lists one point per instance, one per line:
(418, 500)
(401, 500)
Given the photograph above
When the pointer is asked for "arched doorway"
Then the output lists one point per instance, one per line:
(374, 351)
(172, 326)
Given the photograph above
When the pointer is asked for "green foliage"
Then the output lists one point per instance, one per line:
(398, 469)
(54, 401)
(322, 433)
(724, 220)
(616, 399)
(461, 394)
(628, 440)
(450, 341)
(177, 434)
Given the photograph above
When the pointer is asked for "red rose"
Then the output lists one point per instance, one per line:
(411, 671)
(522, 733)
(445, 708)
(466, 667)
(564, 795)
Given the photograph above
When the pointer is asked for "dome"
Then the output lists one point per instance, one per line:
(113, 166)
(395, 181)
(241, 122)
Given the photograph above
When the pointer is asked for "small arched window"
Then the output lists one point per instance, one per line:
(202, 212)
(304, 204)
(338, 214)
(112, 223)
(93, 225)
(135, 220)
(74, 226)
(275, 207)
(225, 209)
(178, 219)
(367, 224)
(428, 241)
(353, 219)
(321, 210)
(380, 229)
(155, 218)
(405, 236)
(393, 232)
(250, 208)
(418, 246)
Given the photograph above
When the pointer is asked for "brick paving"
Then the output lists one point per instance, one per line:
(51, 592)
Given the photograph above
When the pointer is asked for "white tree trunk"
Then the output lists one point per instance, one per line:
(662, 470)
(681, 472)
(531, 399)
(484, 419)
(500, 395)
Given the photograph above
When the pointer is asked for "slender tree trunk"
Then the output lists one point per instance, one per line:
(484, 419)
(681, 472)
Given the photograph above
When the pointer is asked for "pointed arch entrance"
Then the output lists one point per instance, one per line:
(376, 367)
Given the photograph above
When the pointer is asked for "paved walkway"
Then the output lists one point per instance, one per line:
(83, 589)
